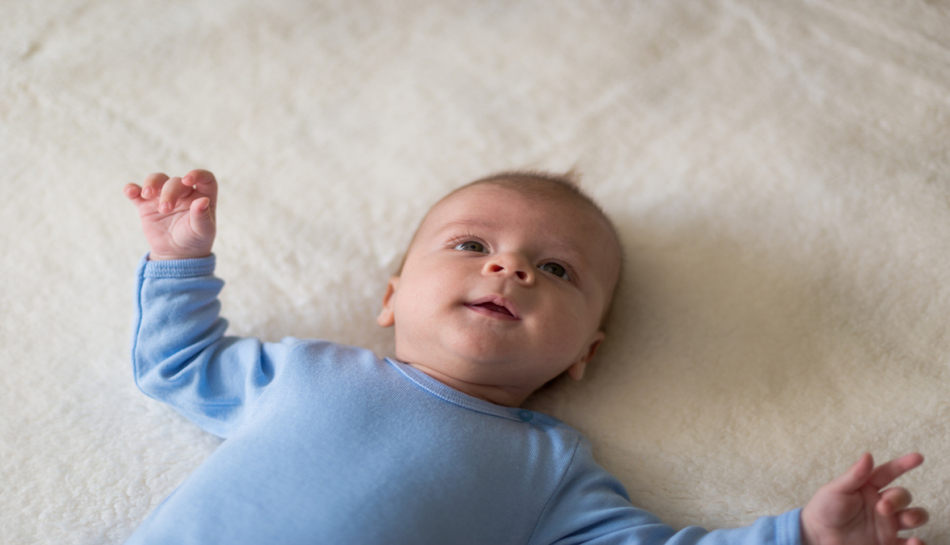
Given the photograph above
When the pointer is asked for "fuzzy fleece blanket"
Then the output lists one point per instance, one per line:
(779, 172)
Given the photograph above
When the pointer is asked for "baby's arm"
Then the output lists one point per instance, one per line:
(853, 509)
(180, 354)
(591, 506)
(177, 213)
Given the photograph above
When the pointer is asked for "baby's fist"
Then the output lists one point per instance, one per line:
(178, 214)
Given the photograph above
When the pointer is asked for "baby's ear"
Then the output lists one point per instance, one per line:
(387, 316)
(576, 370)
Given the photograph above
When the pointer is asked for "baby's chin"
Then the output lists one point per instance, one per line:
(489, 365)
(457, 360)
(484, 348)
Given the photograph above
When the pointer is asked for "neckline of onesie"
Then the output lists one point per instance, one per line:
(451, 395)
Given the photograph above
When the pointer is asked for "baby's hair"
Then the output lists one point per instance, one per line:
(539, 184)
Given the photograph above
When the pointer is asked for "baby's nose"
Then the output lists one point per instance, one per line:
(510, 266)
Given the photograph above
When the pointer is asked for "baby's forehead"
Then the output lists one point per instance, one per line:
(460, 201)
(473, 204)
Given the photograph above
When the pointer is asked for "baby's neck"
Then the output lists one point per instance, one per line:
(499, 395)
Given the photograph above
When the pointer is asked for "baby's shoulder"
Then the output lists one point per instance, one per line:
(294, 356)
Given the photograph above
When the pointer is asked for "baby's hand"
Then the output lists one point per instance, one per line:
(177, 213)
(852, 509)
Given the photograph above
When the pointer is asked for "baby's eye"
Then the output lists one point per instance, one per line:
(471, 246)
(555, 269)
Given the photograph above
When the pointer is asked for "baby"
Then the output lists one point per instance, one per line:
(504, 286)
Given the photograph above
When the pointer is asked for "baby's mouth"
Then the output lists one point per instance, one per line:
(496, 307)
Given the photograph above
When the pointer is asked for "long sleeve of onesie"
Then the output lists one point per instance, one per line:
(180, 354)
(332, 444)
(592, 507)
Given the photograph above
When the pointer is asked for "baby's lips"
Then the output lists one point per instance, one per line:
(497, 301)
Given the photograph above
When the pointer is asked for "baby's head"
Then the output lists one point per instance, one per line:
(505, 286)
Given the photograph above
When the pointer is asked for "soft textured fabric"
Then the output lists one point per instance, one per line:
(331, 444)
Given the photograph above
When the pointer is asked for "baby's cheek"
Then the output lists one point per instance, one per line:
(569, 332)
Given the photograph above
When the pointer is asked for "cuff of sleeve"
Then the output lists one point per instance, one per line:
(177, 268)
(788, 528)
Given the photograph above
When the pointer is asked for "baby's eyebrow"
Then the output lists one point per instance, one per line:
(466, 223)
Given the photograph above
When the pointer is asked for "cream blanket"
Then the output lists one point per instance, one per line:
(779, 172)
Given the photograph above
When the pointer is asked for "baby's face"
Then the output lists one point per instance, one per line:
(501, 292)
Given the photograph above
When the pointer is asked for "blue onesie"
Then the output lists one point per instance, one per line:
(332, 444)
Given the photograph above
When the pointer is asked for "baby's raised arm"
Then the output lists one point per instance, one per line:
(180, 353)
(178, 214)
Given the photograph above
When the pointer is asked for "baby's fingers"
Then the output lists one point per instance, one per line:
(914, 517)
(203, 182)
(152, 186)
(202, 220)
(132, 192)
(172, 190)
(893, 500)
(884, 474)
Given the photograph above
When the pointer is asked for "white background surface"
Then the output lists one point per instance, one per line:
(779, 172)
